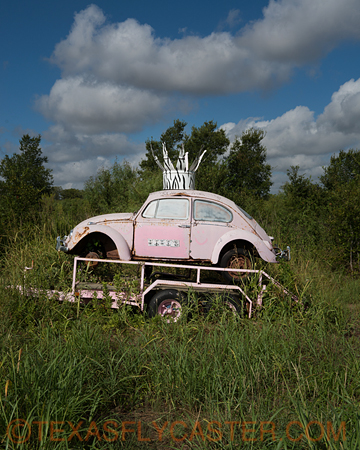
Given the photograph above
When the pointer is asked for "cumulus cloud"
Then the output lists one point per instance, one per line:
(91, 107)
(118, 77)
(74, 174)
(301, 31)
(343, 113)
(69, 146)
(74, 157)
(264, 53)
(129, 53)
(298, 138)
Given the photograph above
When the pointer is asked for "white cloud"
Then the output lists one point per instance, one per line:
(74, 157)
(92, 107)
(69, 146)
(129, 53)
(119, 77)
(343, 113)
(291, 32)
(301, 31)
(73, 174)
(233, 18)
(298, 138)
(295, 138)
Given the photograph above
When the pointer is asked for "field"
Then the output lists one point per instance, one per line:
(91, 377)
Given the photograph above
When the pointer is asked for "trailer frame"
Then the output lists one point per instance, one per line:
(83, 291)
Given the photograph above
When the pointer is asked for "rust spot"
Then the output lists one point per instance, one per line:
(78, 235)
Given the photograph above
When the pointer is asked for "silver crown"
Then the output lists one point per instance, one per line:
(181, 177)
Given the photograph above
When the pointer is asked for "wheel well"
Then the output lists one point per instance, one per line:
(97, 239)
(238, 244)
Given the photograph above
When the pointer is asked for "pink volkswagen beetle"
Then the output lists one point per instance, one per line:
(176, 225)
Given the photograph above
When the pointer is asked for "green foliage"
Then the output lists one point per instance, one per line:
(206, 137)
(344, 223)
(341, 180)
(172, 138)
(287, 364)
(64, 362)
(247, 171)
(112, 190)
(25, 180)
(342, 169)
(67, 194)
(305, 210)
(216, 143)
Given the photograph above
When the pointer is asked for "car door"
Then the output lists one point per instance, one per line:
(210, 221)
(162, 230)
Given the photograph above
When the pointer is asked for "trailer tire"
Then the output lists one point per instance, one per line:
(231, 303)
(167, 303)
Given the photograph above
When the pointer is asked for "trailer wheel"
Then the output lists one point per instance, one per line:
(232, 303)
(167, 303)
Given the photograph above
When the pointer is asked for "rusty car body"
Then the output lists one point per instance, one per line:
(176, 225)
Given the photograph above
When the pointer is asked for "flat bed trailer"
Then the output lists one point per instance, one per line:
(166, 294)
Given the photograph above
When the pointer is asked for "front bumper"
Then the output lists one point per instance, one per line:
(60, 244)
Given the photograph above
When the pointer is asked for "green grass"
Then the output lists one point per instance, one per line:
(280, 367)
(291, 373)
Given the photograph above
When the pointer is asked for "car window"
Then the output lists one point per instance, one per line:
(209, 211)
(244, 212)
(150, 210)
(168, 208)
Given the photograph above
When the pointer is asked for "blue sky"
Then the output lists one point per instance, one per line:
(96, 80)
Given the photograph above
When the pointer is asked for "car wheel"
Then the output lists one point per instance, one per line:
(167, 303)
(92, 255)
(92, 251)
(236, 258)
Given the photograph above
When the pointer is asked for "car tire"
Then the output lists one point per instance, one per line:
(236, 258)
(167, 303)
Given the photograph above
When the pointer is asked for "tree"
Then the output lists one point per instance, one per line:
(24, 178)
(111, 190)
(344, 224)
(299, 187)
(172, 138)
(341, 180)
(247, 171)
(305, 214)
(342, 169)
(66, 194)
(206, 137)
(210, 176)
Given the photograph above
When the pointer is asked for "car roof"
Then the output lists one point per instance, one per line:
(193, 193)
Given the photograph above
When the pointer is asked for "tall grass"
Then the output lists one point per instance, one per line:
(267, 372)
(286, 379)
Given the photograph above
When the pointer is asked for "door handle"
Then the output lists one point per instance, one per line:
(184, 226)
